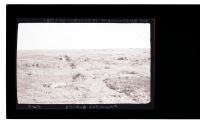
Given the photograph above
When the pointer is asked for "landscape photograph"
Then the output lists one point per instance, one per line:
(83, 63)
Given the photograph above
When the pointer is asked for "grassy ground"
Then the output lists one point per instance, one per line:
(83, 76)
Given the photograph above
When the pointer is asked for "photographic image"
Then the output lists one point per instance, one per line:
(101, 61)
(83, 63)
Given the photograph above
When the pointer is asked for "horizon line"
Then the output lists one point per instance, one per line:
(87, 49)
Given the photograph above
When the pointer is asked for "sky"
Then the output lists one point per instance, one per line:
(51, 36)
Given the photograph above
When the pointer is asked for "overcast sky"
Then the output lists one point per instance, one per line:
(83, 35)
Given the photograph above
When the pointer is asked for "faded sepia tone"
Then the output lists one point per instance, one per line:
(101, 76)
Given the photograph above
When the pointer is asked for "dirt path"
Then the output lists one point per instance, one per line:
(99, 92)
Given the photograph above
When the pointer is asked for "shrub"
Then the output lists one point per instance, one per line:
(67, 58)
(86, 59)
(106, 67)
(78, 76)
(133, 72)
(46, 85)
(128, 72)
(122, 58)
(72, 65)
